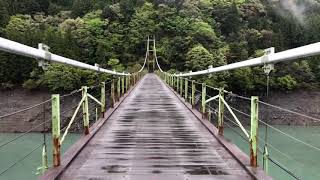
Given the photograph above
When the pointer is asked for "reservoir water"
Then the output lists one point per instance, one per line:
(303, 161)
(300, 159)
(18, 149)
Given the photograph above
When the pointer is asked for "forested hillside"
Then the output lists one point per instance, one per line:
(190, 34)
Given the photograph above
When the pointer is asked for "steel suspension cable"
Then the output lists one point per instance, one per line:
(284, 168)
(39, 54)
(145, 62)
(23, 134)
(26, 109)
(272, 147)
(71, 93)
(20, 160)
(290, 111)
(278, 130)
(288, 55)
(235, 131)
(155, 52)
(290, 136)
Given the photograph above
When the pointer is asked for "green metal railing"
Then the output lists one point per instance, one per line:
(123, 85)
(177, 84)
(250, 136)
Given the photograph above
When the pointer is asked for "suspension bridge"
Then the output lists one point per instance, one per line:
(156, 125)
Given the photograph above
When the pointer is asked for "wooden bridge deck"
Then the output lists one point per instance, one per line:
(153, 135)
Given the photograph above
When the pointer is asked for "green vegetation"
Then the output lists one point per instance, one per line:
(191, 35)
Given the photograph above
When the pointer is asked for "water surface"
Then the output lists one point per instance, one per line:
(300, 159)
(15, 151)
(303, 161)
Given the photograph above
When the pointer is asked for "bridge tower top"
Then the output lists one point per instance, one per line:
(151, 53)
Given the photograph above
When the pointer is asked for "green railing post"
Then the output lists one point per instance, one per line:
(186, 90)
(134, 79)
(165, 78)
(265, 160)
(118, 89)
(193, 90)
(172, 81)
(221, 111)
(44, 166)
(96, 114)
(181, 87)
(122, 85)
(56, 129)
(254, 131)
(85, 110)
(113, 101)
(203, 101)
(127, 83)
(177, 85)
(103, 98)
(129, 79)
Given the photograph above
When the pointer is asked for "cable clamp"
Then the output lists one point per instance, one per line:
(44, 63)
(267, 67)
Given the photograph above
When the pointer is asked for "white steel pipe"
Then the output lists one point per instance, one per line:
(24, 50)
(292, 54)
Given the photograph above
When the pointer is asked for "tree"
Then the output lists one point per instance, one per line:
(241, 80)
(28, 6)
(142, 24)
(199, 58)
(190, 35)
(229, 17)
(115, 65)
(65, 78)
(286, 82)
(81, 7)
(203, 32)
(4, 18)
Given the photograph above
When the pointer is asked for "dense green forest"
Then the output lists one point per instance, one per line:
(190, 34)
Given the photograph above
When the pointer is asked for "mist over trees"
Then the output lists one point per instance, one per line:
(190, 34)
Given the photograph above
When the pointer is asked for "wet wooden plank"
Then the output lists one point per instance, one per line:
(152, 135)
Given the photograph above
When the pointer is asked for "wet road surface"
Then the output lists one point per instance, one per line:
(152, 136)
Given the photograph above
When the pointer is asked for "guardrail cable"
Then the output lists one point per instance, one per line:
(26, 109)
(286, 134)
(278, 130)
(290, 111)
(259, 149)
(71, 93)
(284, 168)
(235, 131)
(270, 145)
(21, 135)
(18, 161)
(67, 110)
(290, 136)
